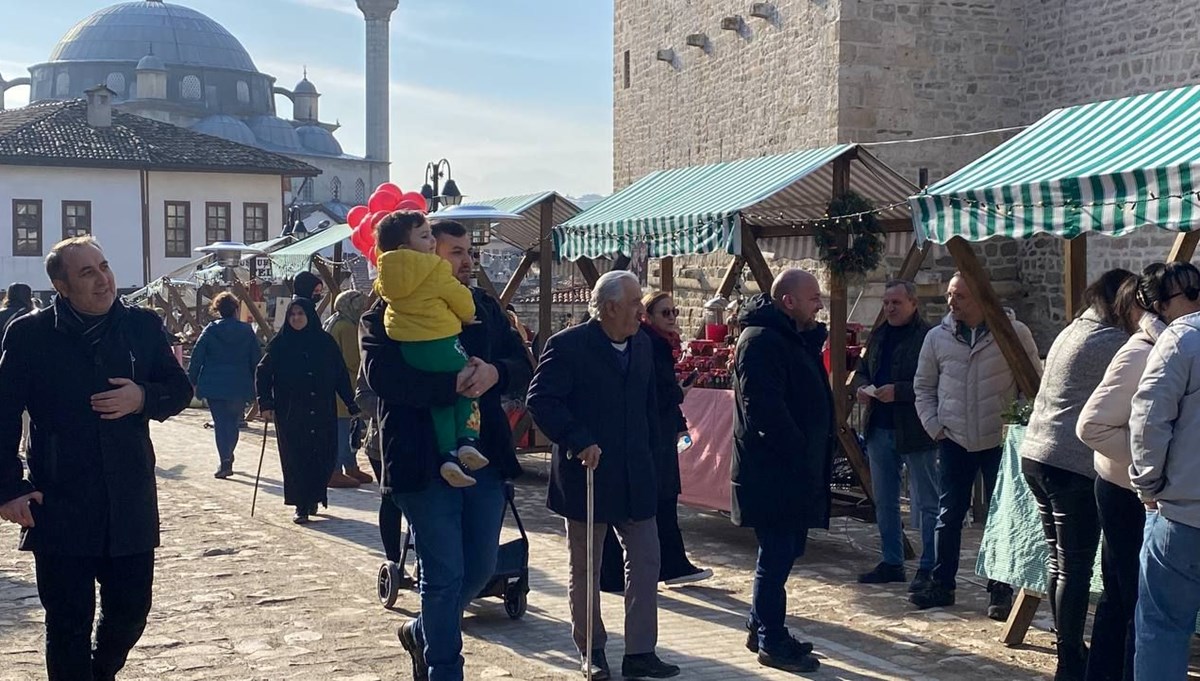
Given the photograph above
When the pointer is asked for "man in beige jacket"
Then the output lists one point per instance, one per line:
(962, 385)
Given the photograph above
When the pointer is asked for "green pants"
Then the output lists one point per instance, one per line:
(460, 421)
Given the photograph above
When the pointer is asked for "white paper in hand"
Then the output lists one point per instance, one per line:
(869, 390)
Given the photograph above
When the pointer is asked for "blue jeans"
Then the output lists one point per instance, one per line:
(458, 536)
(345, 455)
(227, 417)
(1168, 599)
(957, 469)
(778, 549)
(886, 472)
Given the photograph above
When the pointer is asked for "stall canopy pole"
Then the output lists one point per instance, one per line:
(666, 274)
(754, 259)
(1184, 247)
(545, 273)
(731, 276)
(1075, 256)
(587, 268)
(621, 263)
(514, 282)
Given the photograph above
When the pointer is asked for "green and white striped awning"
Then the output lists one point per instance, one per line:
(1108, 167)
(700, 209)
(295, 258)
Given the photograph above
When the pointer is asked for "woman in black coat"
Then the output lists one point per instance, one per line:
(298, 380)
(660, 326)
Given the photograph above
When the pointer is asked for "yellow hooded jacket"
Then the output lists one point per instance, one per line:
(425, 301)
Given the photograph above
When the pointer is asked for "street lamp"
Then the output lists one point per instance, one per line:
(450, 195)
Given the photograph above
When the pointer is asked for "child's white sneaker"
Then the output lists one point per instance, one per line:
(471, 458)
(455, 475)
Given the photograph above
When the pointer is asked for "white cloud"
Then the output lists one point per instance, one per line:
(340, 6)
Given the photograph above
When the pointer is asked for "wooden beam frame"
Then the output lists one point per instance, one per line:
(1075, 257)
(1184, 247)
(587, 268)
(177, 301)
(666, 274)
(265, 330)
(754, 259)
(481, 278)
(514, 282)
(621, 262)
(731, 276)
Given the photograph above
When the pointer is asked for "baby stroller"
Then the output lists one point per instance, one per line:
(510, 581)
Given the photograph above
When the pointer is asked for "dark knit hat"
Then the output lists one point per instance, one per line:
(304, 284)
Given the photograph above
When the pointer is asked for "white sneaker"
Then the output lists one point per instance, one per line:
(699, 575)
(471, 458)
(455, 475)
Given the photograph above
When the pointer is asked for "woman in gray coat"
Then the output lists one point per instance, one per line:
(1058, 467)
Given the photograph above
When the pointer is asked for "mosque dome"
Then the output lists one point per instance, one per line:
(151, 63)
(175, 34)
(319, 140)
(275, 132)
(226, 127)
(305, 87)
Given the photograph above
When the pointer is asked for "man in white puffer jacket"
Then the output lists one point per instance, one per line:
(962, 385)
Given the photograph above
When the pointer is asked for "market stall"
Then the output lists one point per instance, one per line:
(730, 207)
(1108, 168)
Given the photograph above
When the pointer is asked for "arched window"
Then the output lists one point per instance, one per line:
(360, 192)
(190, 88)
(306, 190)
(243, 92)
(335, 188)
(62, 85)
(116, 82)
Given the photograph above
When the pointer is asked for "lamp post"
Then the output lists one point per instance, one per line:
(449, 195)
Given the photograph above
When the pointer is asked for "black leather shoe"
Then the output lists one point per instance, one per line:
(300, 518)
(223, 472)
(1000, 601)
(647, 666)
(752, 641)
(415, 648)
(921, 581)
(884, 573)
(600, 670)
(936, 596)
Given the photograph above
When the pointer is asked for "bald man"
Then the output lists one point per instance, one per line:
(782, 451)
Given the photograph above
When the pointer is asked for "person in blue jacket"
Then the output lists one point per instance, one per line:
(222, 369)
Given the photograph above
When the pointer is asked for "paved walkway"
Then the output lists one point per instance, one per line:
(260, 598)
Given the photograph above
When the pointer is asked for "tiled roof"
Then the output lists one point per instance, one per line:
(576, 295)
(58, 134)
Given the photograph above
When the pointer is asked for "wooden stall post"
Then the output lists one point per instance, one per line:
(482, 280)
(177, 301)
(621, 262)
(514, 282)
(666, 274)
(1075, 257)
(587, 268)
(1184, 247)
(755, 260)
(264, 327)
(545, 273)
(731, 276)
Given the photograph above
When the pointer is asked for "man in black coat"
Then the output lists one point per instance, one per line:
(92, 373)
(457, 529)
(593, 395)
(782, 451)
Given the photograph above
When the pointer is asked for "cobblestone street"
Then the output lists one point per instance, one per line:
(260, 598)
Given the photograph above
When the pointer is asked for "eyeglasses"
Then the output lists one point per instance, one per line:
(669, 313)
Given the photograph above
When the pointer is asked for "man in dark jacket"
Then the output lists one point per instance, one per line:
(92, 373)
(593, 395)
(782, 451)
(457, 529)
(18, 301)
(895, 436)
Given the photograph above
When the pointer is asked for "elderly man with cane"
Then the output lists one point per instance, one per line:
(593, 394)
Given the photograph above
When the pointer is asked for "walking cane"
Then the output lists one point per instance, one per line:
(591, 590)
(261, 454)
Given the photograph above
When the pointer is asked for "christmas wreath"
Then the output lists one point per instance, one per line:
(864, 236)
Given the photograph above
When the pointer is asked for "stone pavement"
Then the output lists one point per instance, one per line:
(260, 598)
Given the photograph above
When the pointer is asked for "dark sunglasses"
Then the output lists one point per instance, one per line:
(670, 312)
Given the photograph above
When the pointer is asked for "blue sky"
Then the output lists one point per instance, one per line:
(517, 94)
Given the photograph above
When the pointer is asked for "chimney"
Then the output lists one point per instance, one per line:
(378, 15)
(99, 106)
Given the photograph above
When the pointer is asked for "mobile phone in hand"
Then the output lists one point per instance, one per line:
(691, 378)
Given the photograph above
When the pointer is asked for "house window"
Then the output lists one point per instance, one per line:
(116, 82)
(27, 227)
(360, 192)
(243, 92)
(62, 85)
(254, 218)
(216, 223)
(190, 88)
(626, 71)
(335, 188)
(76, 219)
(306, 189)
(178, 229)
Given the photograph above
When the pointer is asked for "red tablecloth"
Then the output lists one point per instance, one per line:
(704, 468)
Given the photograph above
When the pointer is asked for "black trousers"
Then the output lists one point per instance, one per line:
(389, 518)
(1067, 505)
(674, 558)
(1122, 521)
(67, 588)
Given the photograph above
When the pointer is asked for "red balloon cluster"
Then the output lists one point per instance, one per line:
(386, 199)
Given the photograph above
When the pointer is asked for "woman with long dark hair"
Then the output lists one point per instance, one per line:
(298, 381)
(222, 369)
(1059, 469)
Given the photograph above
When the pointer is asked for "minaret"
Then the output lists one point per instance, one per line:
(378, 15)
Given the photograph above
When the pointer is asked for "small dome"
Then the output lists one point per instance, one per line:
(226, 127)
(151, 63)
(319, 140)
(275, 132)
(305, 87)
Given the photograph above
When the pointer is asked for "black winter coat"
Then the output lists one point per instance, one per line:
(96, 476)
(669, 417)
(910, 433)
(300, 378)
(783, 422)
(407, 442)
(579, 397)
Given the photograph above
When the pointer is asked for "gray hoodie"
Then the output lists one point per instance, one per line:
(1165, 424)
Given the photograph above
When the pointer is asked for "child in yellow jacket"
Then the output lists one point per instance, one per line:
(427, 308)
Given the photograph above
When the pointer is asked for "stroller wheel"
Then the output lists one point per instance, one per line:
(515, 601)
(388, 583)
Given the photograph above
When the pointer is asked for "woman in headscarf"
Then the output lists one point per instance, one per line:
(298, 381)
(348, 307)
